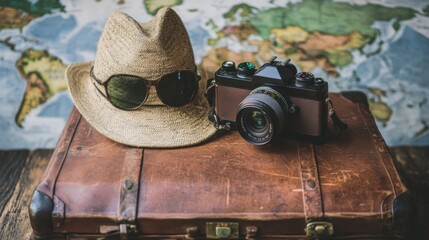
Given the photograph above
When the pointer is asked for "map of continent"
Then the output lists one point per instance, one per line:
(311, 33)
(45, 77)
(375, 47)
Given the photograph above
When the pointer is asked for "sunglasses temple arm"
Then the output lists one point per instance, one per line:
(102, 94)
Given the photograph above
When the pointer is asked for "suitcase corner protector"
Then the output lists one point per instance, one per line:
(40, 211)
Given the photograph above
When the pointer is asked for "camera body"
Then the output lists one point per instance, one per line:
(271, 101)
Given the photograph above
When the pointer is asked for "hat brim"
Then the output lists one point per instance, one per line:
(149, 126)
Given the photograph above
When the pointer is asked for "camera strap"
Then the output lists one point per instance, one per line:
(339, 125)
(213, 117)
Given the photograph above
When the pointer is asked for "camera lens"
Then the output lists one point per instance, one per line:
(261, 115)
(256, 122)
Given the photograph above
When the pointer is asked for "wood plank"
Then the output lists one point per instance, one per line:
(15, 223)
(413, 165)
(11, 165)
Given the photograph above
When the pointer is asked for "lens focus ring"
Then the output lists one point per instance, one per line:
(276, 95)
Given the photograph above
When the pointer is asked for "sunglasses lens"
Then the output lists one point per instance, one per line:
(177, 89)
(126, 92)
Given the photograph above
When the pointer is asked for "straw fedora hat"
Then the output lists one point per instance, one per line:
(149, 50)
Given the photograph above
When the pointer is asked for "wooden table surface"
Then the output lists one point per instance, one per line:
(20, 172)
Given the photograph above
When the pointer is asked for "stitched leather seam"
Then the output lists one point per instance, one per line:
(49, 181)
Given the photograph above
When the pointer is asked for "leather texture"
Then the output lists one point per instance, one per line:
(271, 191)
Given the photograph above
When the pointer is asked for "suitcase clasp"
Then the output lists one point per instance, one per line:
(121, 230)
(222, 230)
(319, 229)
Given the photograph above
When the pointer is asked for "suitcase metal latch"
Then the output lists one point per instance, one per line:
(222, 230)
(122, 231)
(319, 229)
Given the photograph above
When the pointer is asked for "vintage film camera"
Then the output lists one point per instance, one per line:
(270, 102)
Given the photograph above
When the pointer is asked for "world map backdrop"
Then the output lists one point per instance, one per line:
(378, 47)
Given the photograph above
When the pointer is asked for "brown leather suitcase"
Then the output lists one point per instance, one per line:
(347, 188)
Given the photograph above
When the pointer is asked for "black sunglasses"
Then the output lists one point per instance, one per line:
(129, 92)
